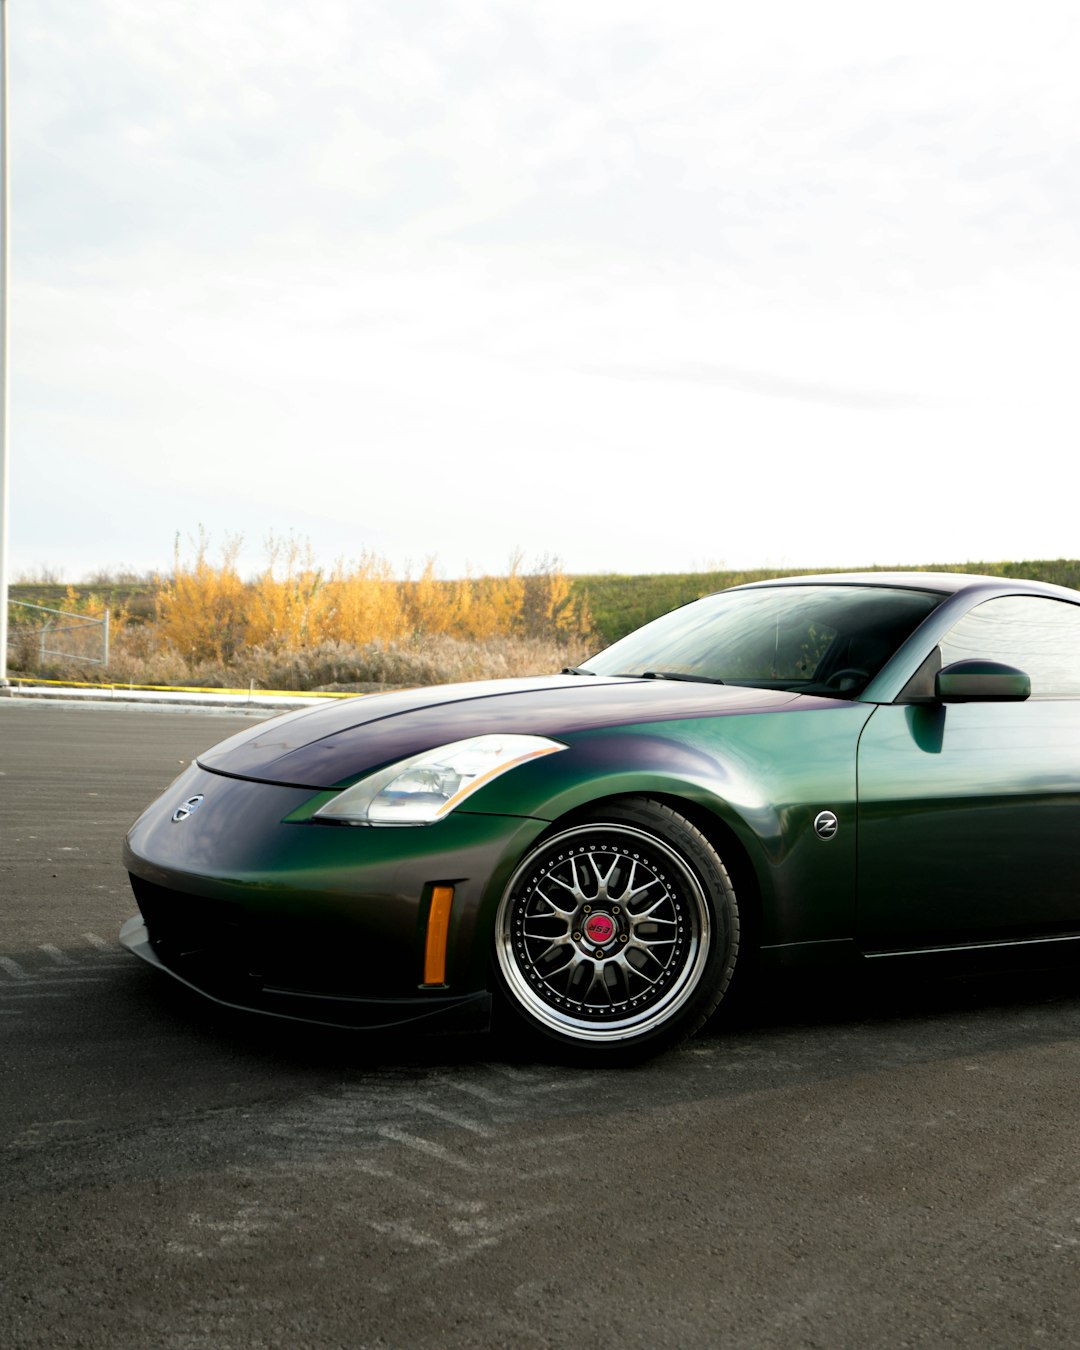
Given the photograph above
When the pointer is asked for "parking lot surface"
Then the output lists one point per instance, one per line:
(848, 1165)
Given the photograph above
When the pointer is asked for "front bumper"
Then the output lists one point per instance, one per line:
(254, 905)
(430, 1012)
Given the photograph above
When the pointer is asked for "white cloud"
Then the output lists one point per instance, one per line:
(781, 283)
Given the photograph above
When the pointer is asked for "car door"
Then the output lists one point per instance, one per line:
(969, 813)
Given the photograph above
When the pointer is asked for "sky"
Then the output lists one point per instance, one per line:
(639, 287)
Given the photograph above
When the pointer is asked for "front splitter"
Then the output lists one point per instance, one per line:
(431, 1012)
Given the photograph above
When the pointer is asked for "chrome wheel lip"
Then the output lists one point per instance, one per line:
(647, 1019)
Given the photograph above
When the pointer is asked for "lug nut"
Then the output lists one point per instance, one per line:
(585, 909)
(615, 909)
(622, 937)
(576, 937)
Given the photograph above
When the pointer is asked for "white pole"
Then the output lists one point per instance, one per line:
(5, 304)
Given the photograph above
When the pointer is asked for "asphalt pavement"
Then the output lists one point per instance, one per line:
(843, 1165)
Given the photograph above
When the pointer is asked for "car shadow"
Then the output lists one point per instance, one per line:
(934, 1014)
(791, 999)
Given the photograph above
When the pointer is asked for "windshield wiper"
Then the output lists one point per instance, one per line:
(576, 670)
(675, 675)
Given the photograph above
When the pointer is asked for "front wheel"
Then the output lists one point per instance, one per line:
(617, 937)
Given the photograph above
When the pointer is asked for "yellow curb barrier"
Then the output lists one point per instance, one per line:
(182, 689)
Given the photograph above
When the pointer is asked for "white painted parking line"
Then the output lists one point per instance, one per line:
(550, 1141)
(414, 1141)
(55, 955)
(9, 994)
(489, 1232)
(13, 968)
(454, 1118)
(67, 979)
(412, 1237)
(98, 942)
(523, 1077)
(468, 1236)
(481, 1093)
(578, 1080)
(462, 1206)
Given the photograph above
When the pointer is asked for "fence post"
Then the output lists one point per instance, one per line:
(105, 653)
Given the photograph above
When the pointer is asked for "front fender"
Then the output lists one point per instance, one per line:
(764, 777)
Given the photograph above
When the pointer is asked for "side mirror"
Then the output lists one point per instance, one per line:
(981, 682)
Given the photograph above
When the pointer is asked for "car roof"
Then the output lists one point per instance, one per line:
(944, 583)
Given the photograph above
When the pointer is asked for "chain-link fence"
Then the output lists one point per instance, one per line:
(59, 636)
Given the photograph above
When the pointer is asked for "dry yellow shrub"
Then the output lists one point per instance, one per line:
(363, 603)
(287, 601)
(202, 609)
(425, 603)
(207, 613)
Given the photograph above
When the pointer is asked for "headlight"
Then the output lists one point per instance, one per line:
(427, 787)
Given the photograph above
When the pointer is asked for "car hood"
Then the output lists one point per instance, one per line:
(325, 747)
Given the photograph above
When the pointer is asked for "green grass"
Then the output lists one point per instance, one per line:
(620, 604)
(136, 597)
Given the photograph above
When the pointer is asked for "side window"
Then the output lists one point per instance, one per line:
(1041, 637)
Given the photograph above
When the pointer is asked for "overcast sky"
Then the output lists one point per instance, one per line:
(650, 287)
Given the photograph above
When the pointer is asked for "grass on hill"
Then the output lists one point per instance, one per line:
(618, 604)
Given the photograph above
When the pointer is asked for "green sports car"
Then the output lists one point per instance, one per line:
(816, 771)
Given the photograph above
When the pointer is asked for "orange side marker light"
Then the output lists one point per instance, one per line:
(438, 926)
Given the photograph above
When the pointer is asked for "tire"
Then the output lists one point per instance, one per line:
(617, 937)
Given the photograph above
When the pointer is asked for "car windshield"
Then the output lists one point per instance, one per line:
(811, 639)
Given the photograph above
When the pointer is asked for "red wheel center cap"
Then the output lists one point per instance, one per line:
(599, 929)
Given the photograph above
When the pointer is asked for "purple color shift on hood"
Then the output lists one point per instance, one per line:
(325, 747)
